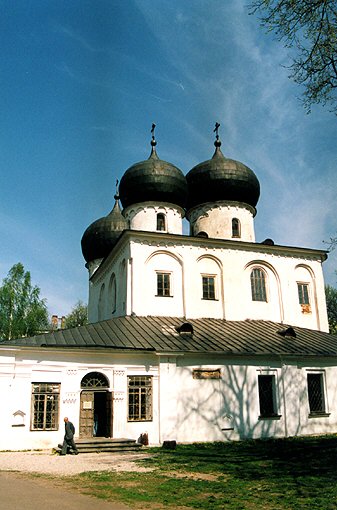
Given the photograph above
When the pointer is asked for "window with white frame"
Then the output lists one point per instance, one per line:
(316, 396)
(45, 406)
(258, 284)
(303, 293)
(139, 398)
(208, 287)
(163, 284)
(267, 396)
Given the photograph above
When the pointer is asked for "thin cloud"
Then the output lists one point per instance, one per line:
(74, 35)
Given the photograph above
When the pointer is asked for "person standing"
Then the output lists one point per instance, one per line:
(68, 438)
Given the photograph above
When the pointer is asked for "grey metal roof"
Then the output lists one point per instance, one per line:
(159, 334)
(221, 178)
(102, 235)
(153, 180)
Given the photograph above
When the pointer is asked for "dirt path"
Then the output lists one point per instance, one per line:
(19, 491)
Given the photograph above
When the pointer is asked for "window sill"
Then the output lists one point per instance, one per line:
(271, 417)
(43, 430)
(209, 299)
(319, 415)
(141, 420)
(159, 295)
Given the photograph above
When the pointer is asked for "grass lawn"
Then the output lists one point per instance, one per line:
(271, 474)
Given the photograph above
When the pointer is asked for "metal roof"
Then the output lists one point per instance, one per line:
(160, 334)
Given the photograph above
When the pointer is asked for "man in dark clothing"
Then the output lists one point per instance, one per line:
(68, 437)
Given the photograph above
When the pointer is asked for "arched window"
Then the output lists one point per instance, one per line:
(161, 222)
(202, 234)
(236, 228)
(258, 285)
(94, 380)
(101, 303)
(112, 292)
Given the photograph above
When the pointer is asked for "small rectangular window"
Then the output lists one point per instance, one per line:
(163, 284)
(140, 398)
(316, 394)
(45, 406)
(208, 287)
(267, 398)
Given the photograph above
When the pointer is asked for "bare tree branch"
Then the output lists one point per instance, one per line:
(309, 28)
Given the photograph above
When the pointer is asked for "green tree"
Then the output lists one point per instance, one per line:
(310, 28)
(331, 303)
(78, 316)
(22, 311)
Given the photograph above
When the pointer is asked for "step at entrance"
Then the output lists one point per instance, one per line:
(102, 444)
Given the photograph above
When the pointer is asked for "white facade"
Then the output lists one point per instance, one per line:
(223, 220)
(144, 217)
(184, 408)
(230, 263)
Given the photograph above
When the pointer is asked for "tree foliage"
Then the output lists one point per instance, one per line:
(310, 28)
(331, 303)
(22, 311)
(78, 316)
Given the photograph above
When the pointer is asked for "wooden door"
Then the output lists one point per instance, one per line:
(109, 414)
(87, 414)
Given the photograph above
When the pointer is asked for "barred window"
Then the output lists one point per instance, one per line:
(45, 406)
(303, 293)
(208, 287)
(266, 385)
(258, 285)
(316, 394)
(163, 284)
(140, 398)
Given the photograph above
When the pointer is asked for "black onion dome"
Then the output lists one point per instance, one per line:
(222, 179)
(102, 235)
(153, 180)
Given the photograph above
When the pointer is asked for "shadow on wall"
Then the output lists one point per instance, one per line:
(229, 408)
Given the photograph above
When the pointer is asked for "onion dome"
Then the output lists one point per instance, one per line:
(102, 235)
(222, 179)
(153, 180)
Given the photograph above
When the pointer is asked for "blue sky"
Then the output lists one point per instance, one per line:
(82, 82)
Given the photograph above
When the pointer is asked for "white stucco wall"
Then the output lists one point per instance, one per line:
(135, 266)
(108, 295)
(19, 369)
(144, 217)
(184, 408)
(188, 261)
(228, 408)
(215, 219)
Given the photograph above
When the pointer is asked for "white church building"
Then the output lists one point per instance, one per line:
(210, 336)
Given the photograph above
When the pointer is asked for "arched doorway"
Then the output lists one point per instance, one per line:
(96, 406)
